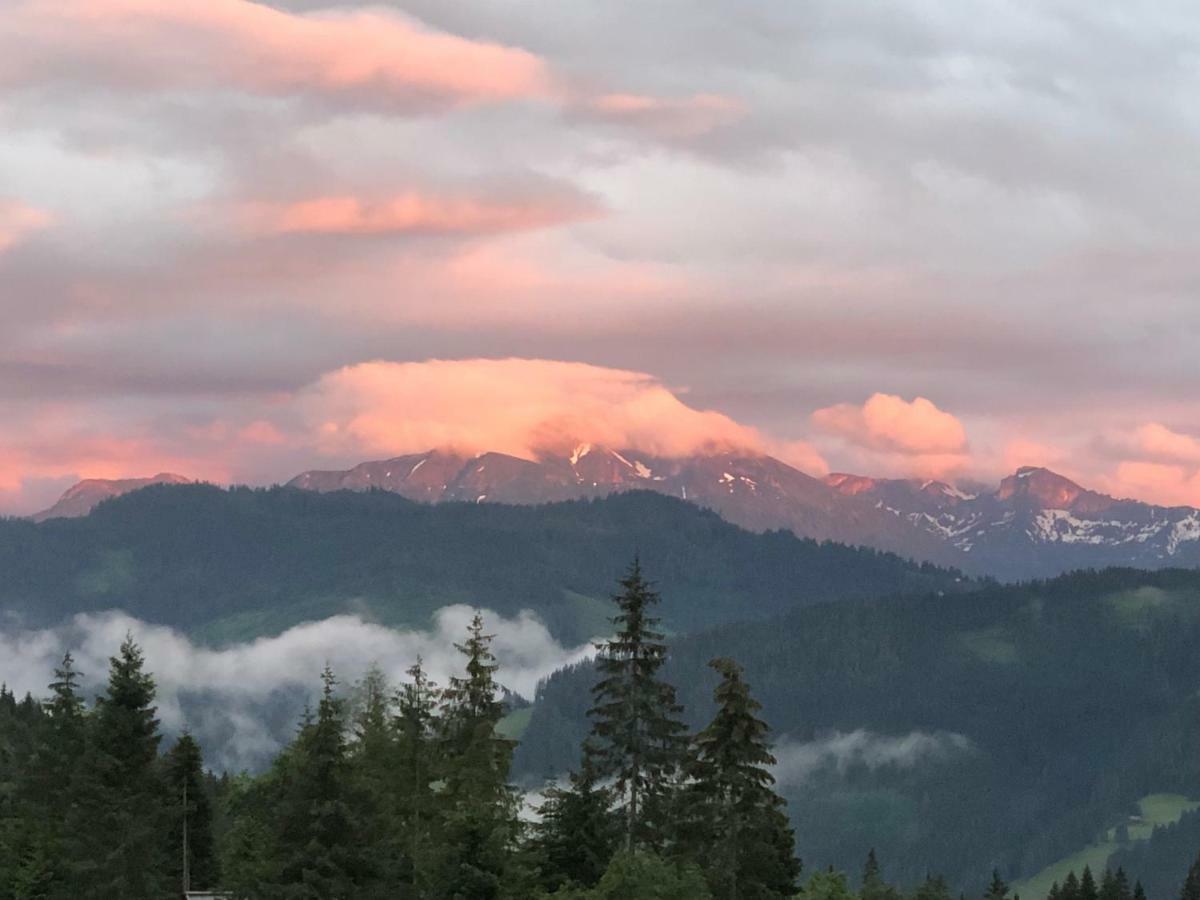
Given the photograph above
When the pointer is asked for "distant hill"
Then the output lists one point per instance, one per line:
(232, 564)
(1009, 727)
(83, 497)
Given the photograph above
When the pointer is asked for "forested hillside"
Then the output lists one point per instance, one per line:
(403, 790)
(1005, 728)
(234, 564)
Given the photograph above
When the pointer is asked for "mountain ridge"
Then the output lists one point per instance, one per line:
(1035, 523)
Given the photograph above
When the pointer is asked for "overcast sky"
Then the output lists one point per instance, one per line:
(920, 238)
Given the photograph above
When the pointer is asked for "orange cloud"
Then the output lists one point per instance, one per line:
(1157, 442)
(519, 406)
(668, 117)
(1168, 485)
(411, 213)
(892, 424)
(372, 54)
(18, 220)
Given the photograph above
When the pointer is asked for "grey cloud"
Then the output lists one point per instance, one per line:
(798, 762)
(242, 701)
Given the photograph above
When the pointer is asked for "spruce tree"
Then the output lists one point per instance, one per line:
(737, 827)
(1070, 887)
(478, 824)
(415, 726)
(637, 738)
(1108, 885)
(122, 816)
(873, 885)
(188, 795)
(1121, 882)
(577, 834)
(1191, 885)
(934, 887)
(1139, 892)
(47, 790)
(373, 762)
(1087, 885)
(997, 889)
(317, 847)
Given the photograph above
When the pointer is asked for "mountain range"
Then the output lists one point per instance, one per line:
(1036, 523)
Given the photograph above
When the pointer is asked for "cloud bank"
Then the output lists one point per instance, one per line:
(798, 762)
(243, 701)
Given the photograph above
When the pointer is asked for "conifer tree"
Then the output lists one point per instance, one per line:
(873, 885)
(1108, 886)
(46, 795)
(120, 819)
(1191, 885)
(373, 761)
(1087, 885)
(1121, 882)
(578, 833)
(997, 889)
(478, 809)
(1070, 887)
(1139, 893)
(188, 795)
(637, 738)
(738, 828)
(317, 846)
(415, 724)
(934, 887)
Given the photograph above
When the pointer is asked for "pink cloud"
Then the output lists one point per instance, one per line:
(892, 424)
(1156, 483)
(17, 220)
(524, 407)
(371, 55)
(517, 406)
(412, 213)
(668, 117)
(1156, 441)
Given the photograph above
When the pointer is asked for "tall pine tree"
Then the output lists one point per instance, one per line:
(317, 847)
(1191, 885)
(577, 834)
(188, 795)
(415, 726)
(478, 810)
(123, 813)
(737, 826)
(637, 738)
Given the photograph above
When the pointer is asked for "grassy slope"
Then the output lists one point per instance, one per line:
(1156, 809)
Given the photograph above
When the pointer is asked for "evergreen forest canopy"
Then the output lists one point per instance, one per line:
(225, 565)
(404, 792)
(1009, 728)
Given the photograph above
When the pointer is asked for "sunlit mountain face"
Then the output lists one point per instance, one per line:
(1035, 523)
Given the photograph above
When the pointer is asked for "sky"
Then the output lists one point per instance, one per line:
(910, 238)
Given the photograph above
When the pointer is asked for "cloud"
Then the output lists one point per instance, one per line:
(413, 212)
(524, 407)
(667, 117)
(243, 700)
(518, 406)
(888, 422)
(797, 762)
(18, 220)
(369, 57)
